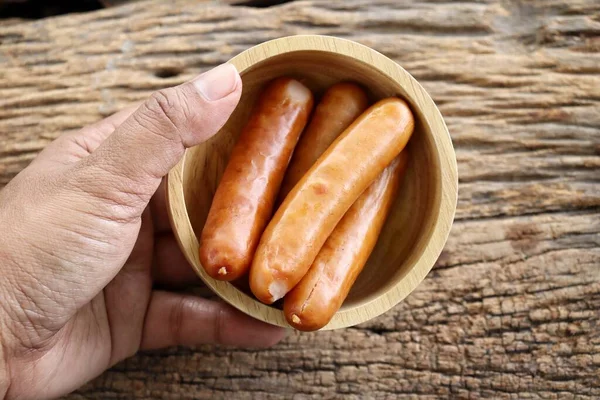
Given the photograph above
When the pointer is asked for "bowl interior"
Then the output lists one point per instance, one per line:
(409, 227)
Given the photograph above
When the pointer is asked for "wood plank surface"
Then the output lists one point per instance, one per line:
(512, 308)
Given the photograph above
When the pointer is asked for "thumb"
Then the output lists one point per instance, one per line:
(130, 163)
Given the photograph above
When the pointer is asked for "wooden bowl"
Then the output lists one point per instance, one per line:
(416, 230)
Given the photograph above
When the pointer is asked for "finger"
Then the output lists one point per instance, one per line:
(183, 320)
(74, 146)
(126, 297)
(159, 209)
(170, 265)
(92, 136)
(130, 163)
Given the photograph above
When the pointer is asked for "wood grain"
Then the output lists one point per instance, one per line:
(511, 309)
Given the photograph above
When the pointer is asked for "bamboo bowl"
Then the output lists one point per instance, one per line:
(418, 226)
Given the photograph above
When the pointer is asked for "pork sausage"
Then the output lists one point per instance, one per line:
(341, 104)
(243, 202)
(311, 304)
(316, 204)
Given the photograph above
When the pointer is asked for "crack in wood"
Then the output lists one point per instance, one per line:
(259, 3)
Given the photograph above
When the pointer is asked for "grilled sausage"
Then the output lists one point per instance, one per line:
(311, 304)
(316, 204)
(243, 202)
(341, 104)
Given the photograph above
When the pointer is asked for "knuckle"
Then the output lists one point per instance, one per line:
(167, 105)
(219, 324)
(170, 114)
(164, 115)
(177, 318)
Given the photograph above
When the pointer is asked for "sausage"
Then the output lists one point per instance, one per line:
(311, 304)
(244, 200)
(316, 204)
(341, 104)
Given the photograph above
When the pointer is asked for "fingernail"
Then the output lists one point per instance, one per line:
(218, 82)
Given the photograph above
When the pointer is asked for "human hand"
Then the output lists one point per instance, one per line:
(83, 232)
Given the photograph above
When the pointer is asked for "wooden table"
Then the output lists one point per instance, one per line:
(512, 308)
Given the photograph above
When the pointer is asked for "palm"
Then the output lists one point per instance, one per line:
(98, 305)
(109, 328)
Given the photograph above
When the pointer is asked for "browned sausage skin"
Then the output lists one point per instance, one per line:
(311, 304)
(243, 202)
(341, 104)
(316, 204)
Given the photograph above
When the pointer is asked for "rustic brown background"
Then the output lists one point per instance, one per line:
(512, 308)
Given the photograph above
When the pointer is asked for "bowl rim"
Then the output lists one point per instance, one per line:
(418, 97)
